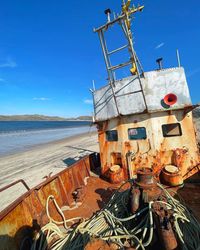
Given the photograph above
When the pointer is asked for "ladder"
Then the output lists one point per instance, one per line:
(124, 20)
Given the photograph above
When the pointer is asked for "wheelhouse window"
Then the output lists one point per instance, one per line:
(172, 129)
(137, 133)
(112, 135)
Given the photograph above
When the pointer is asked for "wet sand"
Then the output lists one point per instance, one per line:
(33, 165)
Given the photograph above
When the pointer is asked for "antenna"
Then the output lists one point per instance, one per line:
(178, 58)
(93, 83)
(108, 12)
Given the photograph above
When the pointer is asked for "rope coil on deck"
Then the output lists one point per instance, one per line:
(114, 223)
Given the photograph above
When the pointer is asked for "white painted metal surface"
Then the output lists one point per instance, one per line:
(129, 98)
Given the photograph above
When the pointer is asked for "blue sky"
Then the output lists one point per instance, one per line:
(49, 54)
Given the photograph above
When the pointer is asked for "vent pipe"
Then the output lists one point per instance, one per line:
(159, 62)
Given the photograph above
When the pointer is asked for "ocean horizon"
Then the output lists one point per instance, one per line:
(19, 136)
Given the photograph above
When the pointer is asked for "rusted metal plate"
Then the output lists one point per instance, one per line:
(28, 213)
(155, 151)
(97, 194)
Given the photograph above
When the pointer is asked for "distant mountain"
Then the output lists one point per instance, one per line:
(37, 117)
(84, 118)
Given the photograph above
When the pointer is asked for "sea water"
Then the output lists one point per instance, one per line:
(17, 136)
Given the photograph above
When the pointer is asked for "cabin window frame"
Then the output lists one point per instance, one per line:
(136, 139)
(165, 133)
(112, 139)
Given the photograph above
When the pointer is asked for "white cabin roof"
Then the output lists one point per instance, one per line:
(129, 98)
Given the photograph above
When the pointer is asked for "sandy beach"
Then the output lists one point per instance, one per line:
(33, 165)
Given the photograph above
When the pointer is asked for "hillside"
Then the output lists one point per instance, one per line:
(41, 118)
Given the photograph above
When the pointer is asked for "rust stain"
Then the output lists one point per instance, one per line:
(28, 211)
(156, 151)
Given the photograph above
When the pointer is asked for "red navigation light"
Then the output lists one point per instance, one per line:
(170, 99)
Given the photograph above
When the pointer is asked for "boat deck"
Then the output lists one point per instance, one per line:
(93, 197)
(190, 194)
(77, 192)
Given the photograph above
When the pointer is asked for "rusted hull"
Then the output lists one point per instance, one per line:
(24, 218)
(27, 214)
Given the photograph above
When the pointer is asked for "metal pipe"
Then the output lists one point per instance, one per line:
(159, 62)
(127, 35)
(108, 15)
(108, 12)
(106, 59)
(130, 157)
(105, 26)
(178, 58)
(114, 73)
(14, 183)
(108, 64)
(139, 63)
(93, 83)
(120, 65)
(94, 104)
(134, 58)
(116, 50)
(129, 93)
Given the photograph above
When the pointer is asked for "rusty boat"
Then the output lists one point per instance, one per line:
(142, 190)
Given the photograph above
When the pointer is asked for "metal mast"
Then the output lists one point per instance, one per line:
(124, 20)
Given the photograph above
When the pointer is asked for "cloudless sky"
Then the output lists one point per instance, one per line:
(49, 54)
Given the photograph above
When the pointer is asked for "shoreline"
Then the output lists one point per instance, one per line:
(20, 141)
(41, 145)
(87, 142)
(42, 129)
